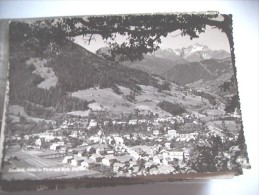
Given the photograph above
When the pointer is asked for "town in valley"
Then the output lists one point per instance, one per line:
(77, 112)
(140, 143)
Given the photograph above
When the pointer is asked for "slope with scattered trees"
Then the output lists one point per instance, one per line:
(170, 107)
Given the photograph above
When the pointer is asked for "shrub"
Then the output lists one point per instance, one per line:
(172, 108)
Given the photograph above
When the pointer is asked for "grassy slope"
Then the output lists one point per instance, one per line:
(146, 101)
(79, 71)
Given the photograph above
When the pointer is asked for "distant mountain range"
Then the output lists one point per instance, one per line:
(194, 71)
(157, 64)
(199, 52)
(186, 65)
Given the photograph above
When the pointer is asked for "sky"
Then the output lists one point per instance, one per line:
(212, 37)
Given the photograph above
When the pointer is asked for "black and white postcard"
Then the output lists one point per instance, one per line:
(121, 97)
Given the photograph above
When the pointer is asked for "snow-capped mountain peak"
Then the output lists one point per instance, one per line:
(196, 47)
(198, 52)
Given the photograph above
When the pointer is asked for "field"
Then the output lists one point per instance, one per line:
(146, 100)
(47, 73)
(36, 167)
(16, 111)
(105, 99)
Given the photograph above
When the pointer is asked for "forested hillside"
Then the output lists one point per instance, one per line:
(23, 89)
(195, 71)
(79, 69)
(75, 69)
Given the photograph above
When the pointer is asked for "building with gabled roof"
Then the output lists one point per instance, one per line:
(108, 160)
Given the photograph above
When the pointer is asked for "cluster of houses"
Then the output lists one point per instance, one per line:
(112, 150)
(57, 140)
(155, 121)
(129, 161)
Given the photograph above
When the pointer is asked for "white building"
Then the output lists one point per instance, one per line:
(156, 159)
(110, 151)
(39, 142)
(118, 140)
(77, 161)
(178, 154)
(54, 147)
(93, 123)
(63, 149)
(134, 154)
(195, 122)
(118, 166)
(156, 132)
(121, 122)
(87, 163)
(186, 137)
(96, 157)
(105, 123)
(26, 137)
(133, 122)
(81, 153)
(165, 161)
(172, 122)
(172, 133)
(142, 120)
(74, 134)
(127, 136)
(95, 139)
(61, 143)
(168, 145)
(108, 160)
(67, 159)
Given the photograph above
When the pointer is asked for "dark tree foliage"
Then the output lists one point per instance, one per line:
(203, 160)
(143, 32)
(227, 85)
(37, 101)
(208, 158)
(37, 110)
(232, 104)
(164, 86)
(211, 158)
(55, 98)
(207, 96)
(241, 140)
(170, 107)
(77, 73)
